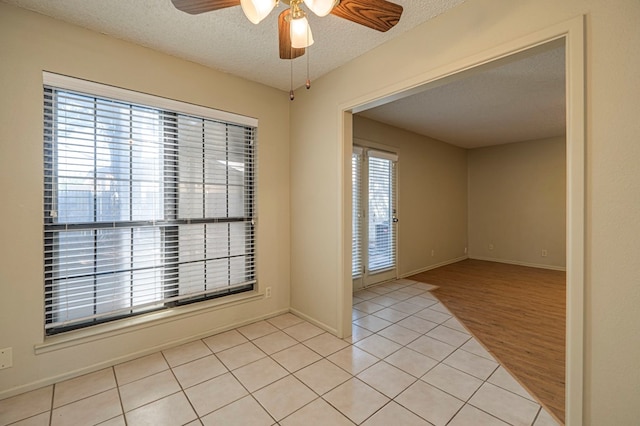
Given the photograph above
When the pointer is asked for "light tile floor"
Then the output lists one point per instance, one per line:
(408, 362)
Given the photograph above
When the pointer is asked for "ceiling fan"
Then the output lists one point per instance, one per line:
(294, 33)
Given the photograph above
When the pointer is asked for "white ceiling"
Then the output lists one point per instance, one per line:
(519, 99)
(516, 101)
(227, 41)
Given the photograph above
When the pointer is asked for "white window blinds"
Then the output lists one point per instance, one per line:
(381, 191)
(144, 207)
(356, 231)
(373, 213)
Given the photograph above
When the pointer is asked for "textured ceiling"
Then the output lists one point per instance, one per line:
(516, 100)
(521, 98)
(226, 40)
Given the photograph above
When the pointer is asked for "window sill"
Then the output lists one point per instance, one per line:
(129, 325)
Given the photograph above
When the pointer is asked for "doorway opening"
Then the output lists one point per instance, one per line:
(571, 34)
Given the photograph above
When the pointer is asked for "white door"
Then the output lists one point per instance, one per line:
(374, 216)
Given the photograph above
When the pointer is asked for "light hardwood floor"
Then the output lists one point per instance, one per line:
(518, 313)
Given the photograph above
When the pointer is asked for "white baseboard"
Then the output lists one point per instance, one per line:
(114, 361)
(516, 262)
(434, 266)
(313, 321)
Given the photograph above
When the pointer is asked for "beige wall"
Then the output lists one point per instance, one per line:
(432, 195)
(510, 196)
(319, 210)
(31, 43)
(517, 203)
(320, 270)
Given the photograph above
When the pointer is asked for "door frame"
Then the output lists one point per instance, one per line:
(573, 33)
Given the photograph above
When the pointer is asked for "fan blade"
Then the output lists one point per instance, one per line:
(380, 15)
(284, 37)
(195, 7)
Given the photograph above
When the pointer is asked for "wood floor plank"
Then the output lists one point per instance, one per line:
(518, 314)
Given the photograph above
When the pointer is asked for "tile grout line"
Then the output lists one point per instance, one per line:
(115, 378)
(53, 395)
(182, 390)
(248, 393)
(53, 408)
(535, 419)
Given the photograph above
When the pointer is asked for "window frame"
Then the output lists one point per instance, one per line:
(163, 105)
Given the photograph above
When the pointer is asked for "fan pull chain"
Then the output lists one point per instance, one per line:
(308, 83)
(291, 94)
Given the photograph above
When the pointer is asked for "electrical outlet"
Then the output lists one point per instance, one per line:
(433, 252)
(267, 292)
(6, 358)
(490, 246)
(465, 250)
(544, 253)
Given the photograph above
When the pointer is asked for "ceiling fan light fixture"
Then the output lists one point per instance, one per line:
(321, 7)
(301, 36)
(257, 10)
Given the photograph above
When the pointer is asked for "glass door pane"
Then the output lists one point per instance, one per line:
(381, 248)
(356, 220)
(374, 217)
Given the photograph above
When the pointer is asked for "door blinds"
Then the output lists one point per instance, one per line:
(357, 212)
(381, 229)
(144, 207)
(373, 211)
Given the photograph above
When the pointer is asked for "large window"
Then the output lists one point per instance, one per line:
(144, 207)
